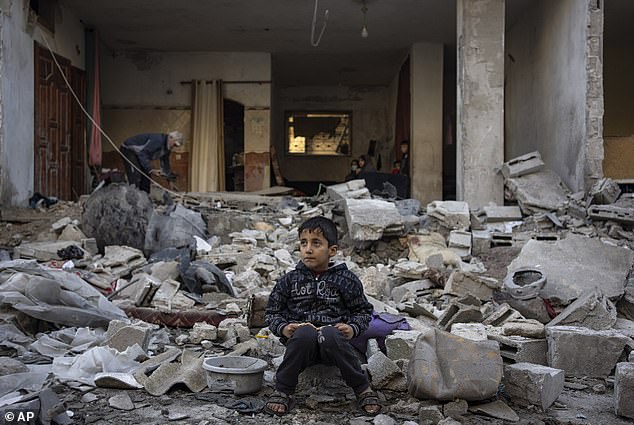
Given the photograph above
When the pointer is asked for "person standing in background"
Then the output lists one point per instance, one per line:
(405, 157)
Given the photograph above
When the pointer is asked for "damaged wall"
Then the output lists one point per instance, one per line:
(545, 100)
(16, 149)
(371, 120)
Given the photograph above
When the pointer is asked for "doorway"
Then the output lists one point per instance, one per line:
(60, 128)
(234, 145)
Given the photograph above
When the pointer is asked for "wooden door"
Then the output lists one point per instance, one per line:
(78, 135)
(52, 126)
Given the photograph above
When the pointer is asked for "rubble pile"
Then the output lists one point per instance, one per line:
(142, 312)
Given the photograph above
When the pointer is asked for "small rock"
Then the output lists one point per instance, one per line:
(182, 339)
(121, 401)
(177, 416)
(456, 408)
(89, 398)
(206, 344)
(384, 420)
(599, 388)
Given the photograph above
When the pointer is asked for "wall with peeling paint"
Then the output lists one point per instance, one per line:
(546, 87)
(17, 69)
(372, 119)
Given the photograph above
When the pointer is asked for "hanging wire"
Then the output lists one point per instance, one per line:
(312, 27)
(116, 148)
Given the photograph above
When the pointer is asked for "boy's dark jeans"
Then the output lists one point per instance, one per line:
(308, 347)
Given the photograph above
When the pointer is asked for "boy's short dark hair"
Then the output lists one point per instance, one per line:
(405, 142)
(326, 226)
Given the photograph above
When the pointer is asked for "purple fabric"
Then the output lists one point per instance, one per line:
(381, 325)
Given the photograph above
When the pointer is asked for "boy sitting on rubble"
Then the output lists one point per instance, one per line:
(315, 310)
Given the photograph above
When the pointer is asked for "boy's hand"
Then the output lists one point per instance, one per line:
(346, 330)
(290, 329)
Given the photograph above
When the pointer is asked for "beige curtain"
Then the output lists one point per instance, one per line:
(208, 153)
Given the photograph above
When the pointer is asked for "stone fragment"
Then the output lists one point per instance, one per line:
(542, 191)
(534, 308)
(471, 331)
(589, 264)
(141, 289)
(382, 370)
(502, 314)
(625, 306)
(233, 328)
(412, 290)
(531, 384)
(604, 191)
(375, 281)
(455, 409)
(90, 246)
(168, 297)
(592, 310)
(584, 352)
(258, 304)
(248, 280)
(71, 233)
(41, 251)
(202, 331)
(353, 189)
(480, 241)
(453, 214)
(382, 419)
(431, 414)
(527, 328)
(624, 390)
(523, 164)
(496, 409)
(9, 366)
(462, 310)
(449, 421)
(121, 401)
(518, 349)
(481, 287)
(399, 344)
(460, 242)
(119, 380)
(409, 269)
(612, 213)
(120, 338)
(368, 219)
(496, 214)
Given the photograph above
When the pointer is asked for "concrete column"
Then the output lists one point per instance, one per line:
(593, 169)
(480, 111)
(426, 83)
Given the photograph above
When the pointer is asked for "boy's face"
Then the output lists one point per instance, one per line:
(314, 250)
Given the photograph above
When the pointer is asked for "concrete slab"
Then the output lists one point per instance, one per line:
(353, 189)
(584, 352)
(539, 192)
(529, 328)
(471, 331)
(481, 287)
(382, 370)
(496, 214)
(624, 390)
(400, 344)
(41, 251)
(502, 314)
(496, 409)
(460, 242)
(521, 165)
(531, 384)
(367, 219)
(480, 241)
(453, 214)
(518, 349)
(589, 264)
(592, 310)
(611, 213)
(604, 191)
(188, 371)
(460, 311)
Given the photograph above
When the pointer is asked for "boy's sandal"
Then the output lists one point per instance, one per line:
(369, 398)
(286, 400)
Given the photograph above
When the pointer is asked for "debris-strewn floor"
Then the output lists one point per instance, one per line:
(510, 299)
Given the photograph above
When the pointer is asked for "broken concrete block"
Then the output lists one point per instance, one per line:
(589, 264)
(604, 191)
(430, 414)
(496, 409)
(71, 233)
(121, 338)
(624, 390)
(168, 298)
(367, 219)
(258, 304)
(141, 289)
(531, 384)
(612, 213)
(481, 287)
(90, 246)
(455, 409)
(472, 372)
(521, 165)
(625, 306)
(248, 280)
(535, 308)
(382, 370)
(453, 214)
(480, 241)
(592, 310)
(202, 331)
(399, 344)
(502, 314)
(518, 349)
(353, 189)
(584, 352)
(542, 191)
(462, 310)
(233, 328)
(121, 402)
(527, 328)
(496, 214)
(412, 290)
(409, 269)
(60, 224)
(41, 251)
(501, 239)
(460, 242)
(471, 331)
(375, 281)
